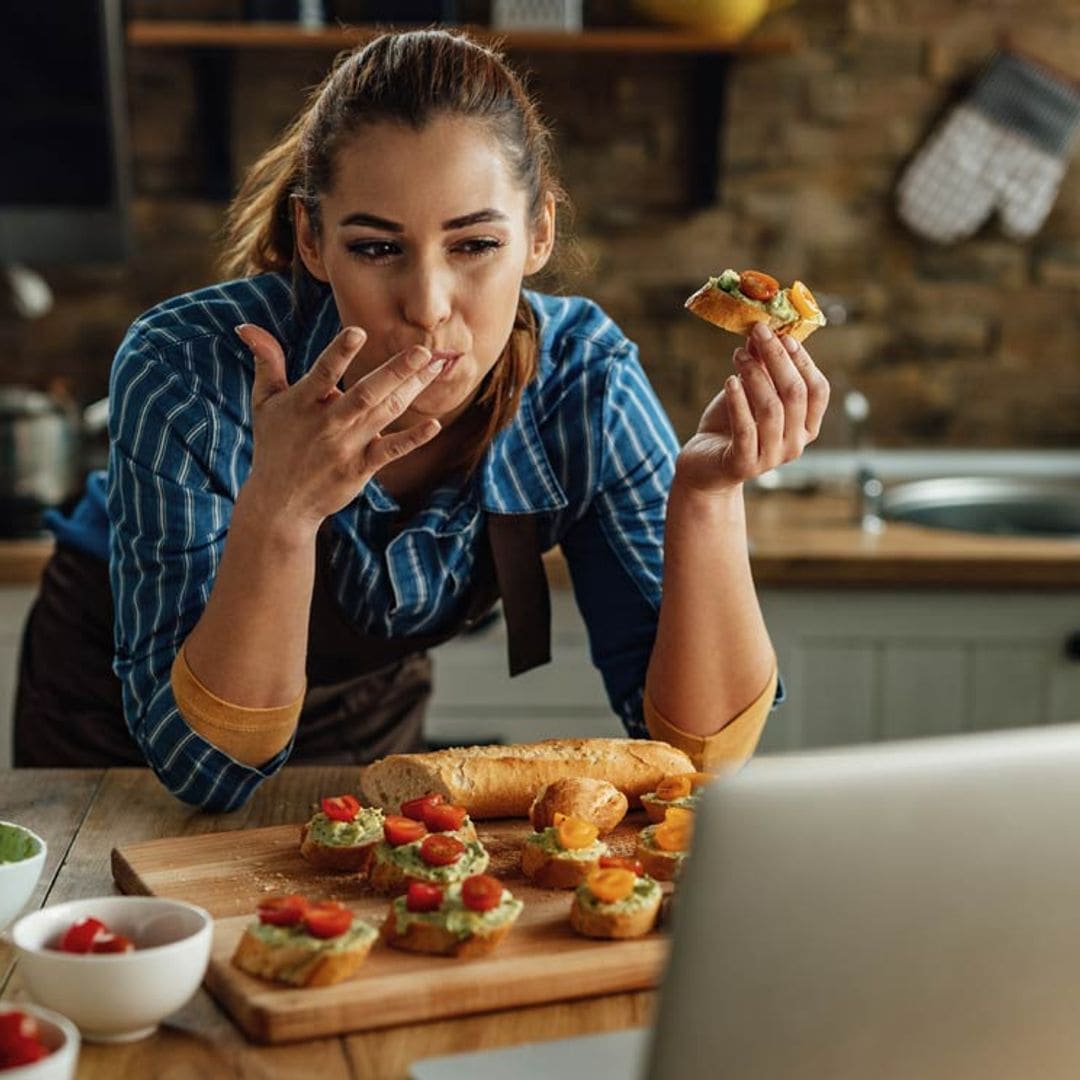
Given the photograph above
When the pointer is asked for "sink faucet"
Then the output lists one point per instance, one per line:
(868, 488)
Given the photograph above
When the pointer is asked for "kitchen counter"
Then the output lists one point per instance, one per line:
(812, 540)
(84, 814)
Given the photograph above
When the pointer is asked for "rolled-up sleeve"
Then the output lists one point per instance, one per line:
(169, 511)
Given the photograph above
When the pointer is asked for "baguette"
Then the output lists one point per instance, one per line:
(502, 781)
(722, 302)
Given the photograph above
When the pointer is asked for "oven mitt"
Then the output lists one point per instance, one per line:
(1001, 148)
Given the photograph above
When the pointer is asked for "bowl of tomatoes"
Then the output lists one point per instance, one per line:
(36, 1043)
(116, 965)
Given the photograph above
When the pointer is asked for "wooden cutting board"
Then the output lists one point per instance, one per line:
(541, 960)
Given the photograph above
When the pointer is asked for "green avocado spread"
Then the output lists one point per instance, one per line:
(687, 802)
(455, 917)
(779, 306)
(365, 828)
(296, 936)
(16, 844)
(548, 841)
(474, 860)
(646, 893)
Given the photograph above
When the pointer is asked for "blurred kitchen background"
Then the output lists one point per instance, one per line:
(692, 136)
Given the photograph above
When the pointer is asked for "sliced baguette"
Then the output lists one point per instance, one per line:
(730, 313)
(553, 871)
(298, 965)
(614, 924)
(425, 937)
(355, 857)
(502, 781)
(662, 865)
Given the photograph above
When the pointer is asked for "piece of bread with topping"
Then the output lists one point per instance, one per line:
(304, 943)
(408, 852)
(342, 835)
(617, 900)
(681, 791)
(663, 848)
(736, 301)
(465, 919)
(564, 854)
(595, 801)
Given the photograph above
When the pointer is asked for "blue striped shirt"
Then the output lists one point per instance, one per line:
(590, 453)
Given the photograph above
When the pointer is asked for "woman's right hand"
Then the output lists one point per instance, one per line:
(315, 445)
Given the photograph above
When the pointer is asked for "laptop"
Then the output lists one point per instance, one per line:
(902, 910)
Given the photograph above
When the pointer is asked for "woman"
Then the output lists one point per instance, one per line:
(323, 468)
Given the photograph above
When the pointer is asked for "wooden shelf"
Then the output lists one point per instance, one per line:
(147, 33)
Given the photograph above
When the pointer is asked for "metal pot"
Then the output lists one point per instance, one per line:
(40, 457)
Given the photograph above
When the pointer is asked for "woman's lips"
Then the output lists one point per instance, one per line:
(449, 358)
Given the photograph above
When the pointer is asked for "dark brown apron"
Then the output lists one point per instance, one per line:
(366, 695)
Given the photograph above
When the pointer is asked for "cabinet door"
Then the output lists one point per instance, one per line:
(888, 664)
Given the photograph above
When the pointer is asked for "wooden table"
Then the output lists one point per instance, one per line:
(84, 814)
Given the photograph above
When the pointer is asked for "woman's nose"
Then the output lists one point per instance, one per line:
(427, 299)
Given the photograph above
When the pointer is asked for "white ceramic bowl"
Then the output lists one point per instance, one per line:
(116, 997)
(18, 877)
(58, 1033)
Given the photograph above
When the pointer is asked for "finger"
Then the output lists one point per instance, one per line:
(270, 378)
(400, 381)
(789, 382)
(386, 448)
(765, 405)
(334, 361)
(817, 386)
(743, 450)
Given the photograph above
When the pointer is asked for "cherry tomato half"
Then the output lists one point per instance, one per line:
(441, 849)
(79, 936)
(758, 286)
(18, 1025)
(444, 817)
(621, 862)
(481, 892)
(282, 910)
(20, 1051)
(341, 807)
(416, 808)
(423, 896)
(327, 919)
(112, 943)
(402, 830)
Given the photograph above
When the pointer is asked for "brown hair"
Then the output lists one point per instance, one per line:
(406, 78)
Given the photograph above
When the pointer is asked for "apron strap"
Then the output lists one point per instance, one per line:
(519, 571)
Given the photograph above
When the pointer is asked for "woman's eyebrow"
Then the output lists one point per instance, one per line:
(477, 217)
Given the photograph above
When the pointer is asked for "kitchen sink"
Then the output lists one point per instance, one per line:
(1006, 506)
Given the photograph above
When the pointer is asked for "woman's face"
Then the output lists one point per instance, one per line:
(425, 240)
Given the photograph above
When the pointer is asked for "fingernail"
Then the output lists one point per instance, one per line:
(242, 333)
(742, 356)
(761, 331)
(733, 383)
(790, 344)
(419, 357)
(354, 337)
(437, 365)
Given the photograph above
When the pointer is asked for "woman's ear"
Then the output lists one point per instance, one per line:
(542, 237)
(306, 241)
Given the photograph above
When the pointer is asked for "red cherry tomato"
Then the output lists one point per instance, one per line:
(440, 849)
(112, 943)
(481, 892)
(282, 910)
(20, 1051)
(402, 830)
(414, 808)
(341, 808)
(758, 286)
(18, 1025)
(444, 817)
(327, 919)
(423, 896)
(79, 936)
(621, 862)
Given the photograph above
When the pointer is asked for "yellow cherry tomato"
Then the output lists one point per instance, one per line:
(802, 300)
(574, 833)
(612, 884)
(673, 787)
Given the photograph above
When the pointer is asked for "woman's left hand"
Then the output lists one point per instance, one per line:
(766, 414)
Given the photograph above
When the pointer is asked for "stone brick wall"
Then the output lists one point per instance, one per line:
(974, 345)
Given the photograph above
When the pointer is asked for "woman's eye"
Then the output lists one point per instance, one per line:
(480, 245)
(373, 250)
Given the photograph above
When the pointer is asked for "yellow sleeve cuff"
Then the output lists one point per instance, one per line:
(732, 745)
(248, 735)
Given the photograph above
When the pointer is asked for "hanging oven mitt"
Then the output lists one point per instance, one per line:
(1002, 148)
